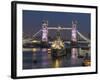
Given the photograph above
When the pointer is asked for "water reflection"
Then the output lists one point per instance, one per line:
(74, 56)
(56, 63)
(36, 58)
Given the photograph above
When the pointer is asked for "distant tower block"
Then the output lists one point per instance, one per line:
(45, 31)
(74, 50)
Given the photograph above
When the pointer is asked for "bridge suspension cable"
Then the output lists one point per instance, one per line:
(82, 36)
(37, 32)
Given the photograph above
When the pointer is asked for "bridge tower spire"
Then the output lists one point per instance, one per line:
(45, 31)
(74, 50)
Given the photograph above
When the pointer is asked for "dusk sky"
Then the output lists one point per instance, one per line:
(32, 21)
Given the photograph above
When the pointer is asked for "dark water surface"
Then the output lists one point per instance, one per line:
(41, 58)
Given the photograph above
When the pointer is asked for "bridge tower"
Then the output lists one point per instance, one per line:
(45, 31)
(74, 50)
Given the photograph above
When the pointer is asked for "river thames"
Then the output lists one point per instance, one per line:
(35, 58)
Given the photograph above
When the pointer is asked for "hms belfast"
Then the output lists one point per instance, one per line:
(57, 45)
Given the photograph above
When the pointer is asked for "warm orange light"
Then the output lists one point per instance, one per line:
(34, 49)
(57, 63)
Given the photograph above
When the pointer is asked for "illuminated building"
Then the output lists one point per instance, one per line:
(58, 43)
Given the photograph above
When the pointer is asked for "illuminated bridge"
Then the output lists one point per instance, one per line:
(74, 34)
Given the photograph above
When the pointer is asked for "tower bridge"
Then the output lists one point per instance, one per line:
(74, 36)
(45, 30)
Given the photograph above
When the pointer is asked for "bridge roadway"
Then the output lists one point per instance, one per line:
(30, 41)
